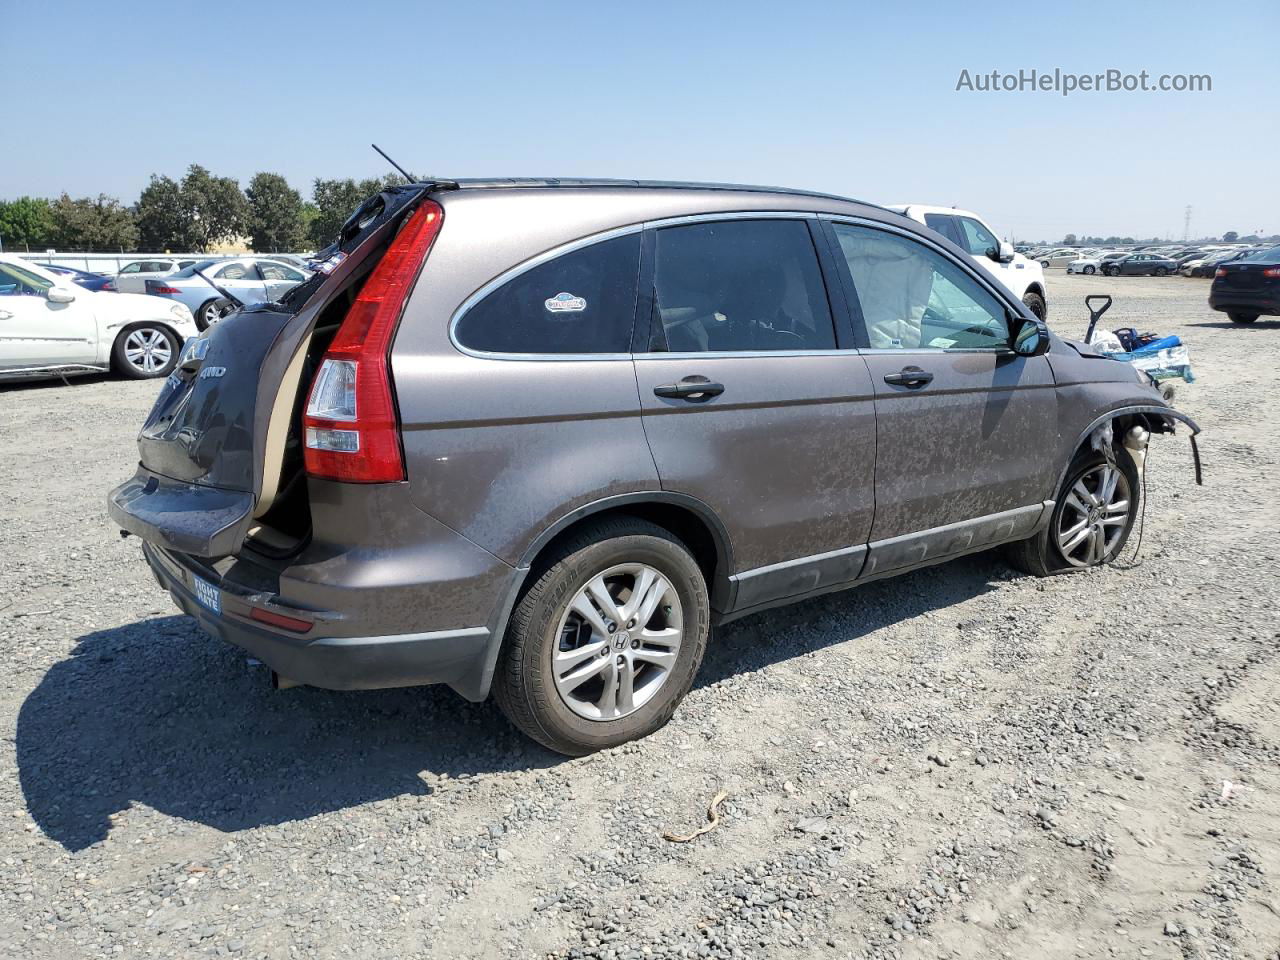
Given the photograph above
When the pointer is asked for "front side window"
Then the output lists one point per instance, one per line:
(582, 302)
(16, 282)
(978, 240)
(739, 285)
(912, 297)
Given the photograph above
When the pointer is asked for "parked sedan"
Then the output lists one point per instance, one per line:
(248, 279)
(81, 278)
(1207, 266)
(52, 328)
(1058, 258)
(1245, 289)
(133, 276)
(1140, 265)
(1094, 264)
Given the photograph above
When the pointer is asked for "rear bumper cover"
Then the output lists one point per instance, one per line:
(1255, 301)
(453, 657)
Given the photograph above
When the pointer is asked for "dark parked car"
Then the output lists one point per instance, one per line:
(534, 438)
(1140, 265)
(82, 278)
(1210, 264)
(1247, 288)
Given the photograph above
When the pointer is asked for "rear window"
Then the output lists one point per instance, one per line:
(583, 301)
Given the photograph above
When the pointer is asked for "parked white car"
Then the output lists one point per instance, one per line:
(49, 327)
(1023, 277)
(132, 277)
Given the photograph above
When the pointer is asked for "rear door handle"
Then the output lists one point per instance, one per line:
(694, 389)
(909, 377)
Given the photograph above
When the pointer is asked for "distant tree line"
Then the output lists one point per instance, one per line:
(1231, 236)
(191, 215)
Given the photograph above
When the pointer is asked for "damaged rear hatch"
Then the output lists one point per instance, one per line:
(220, 453)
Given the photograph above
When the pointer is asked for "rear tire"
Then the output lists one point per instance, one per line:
(145, 351)
(577, 683)
(1110, 271)
(1090, 270)
(1162, 271)
(1242, 317)
(1035, 303)
(211, 311)
(1075, 514)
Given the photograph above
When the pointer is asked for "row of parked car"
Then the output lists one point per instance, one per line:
(1186, 261)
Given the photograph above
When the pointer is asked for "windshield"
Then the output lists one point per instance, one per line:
(1264, 256)
(190, 271)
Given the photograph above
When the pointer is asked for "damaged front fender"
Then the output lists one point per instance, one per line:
(1158, 419)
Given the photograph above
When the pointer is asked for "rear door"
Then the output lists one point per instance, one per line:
(279, 278)
(750, 406)
(964, 424)
(210, 452)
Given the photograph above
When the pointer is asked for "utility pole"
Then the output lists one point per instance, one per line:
(1186, 224)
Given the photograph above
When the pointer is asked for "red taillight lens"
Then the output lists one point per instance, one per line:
(1220, 272)
(352, 433)
(160, 288)
(109, 285)
(1271, 272)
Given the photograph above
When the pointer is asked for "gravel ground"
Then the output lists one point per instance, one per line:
(959, 763)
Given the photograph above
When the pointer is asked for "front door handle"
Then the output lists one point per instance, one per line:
(909, 377)
(694, 389)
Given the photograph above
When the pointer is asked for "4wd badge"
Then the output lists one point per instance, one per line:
(565, 303)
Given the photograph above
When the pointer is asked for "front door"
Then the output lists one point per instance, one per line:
(748, 405)
(36, 332)
(964, 423)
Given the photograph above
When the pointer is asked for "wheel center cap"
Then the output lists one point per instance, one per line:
(621, 639)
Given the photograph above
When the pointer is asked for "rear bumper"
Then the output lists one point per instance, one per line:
(451, 657)
(1254, 301)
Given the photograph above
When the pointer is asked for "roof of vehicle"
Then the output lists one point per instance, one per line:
(495, 183)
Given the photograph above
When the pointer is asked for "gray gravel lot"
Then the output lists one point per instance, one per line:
(960, 763)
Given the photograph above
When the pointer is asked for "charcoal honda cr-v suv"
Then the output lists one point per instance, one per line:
(535, 437)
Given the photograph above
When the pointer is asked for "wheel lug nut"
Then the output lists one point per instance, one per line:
(621, 660)
(613, 627)
(604, 652)
(635, 644)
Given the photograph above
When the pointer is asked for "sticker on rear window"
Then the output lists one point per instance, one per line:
(332, 263)
(565, 303)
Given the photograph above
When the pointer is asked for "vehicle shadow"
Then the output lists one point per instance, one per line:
(157, 713)
(53, 383)
(1259, 324)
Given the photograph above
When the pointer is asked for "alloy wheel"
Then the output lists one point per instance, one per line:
(148, 350)
(1095, 514)
(618, 642)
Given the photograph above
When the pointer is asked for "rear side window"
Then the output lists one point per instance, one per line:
(944, 224)
(583, 301)
(737, 285)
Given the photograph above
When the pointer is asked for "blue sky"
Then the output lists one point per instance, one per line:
(857, 99)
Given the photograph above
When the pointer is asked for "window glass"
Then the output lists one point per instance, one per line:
(739, 285)
(236, 271)
(581, 302)
(278, 271)
(131, 268)
(913, 297)
(978, 240)
(16, 282)
(944, 224)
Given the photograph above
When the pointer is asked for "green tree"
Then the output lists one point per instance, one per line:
(1069, 239)
(26, 222)
(335, 200)
(1230, 237)
(93, 224)
(275, 214)
(162, 215)
(216, 209)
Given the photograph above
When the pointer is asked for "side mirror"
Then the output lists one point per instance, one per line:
(1031, 339)
(1003, 253)
(60, 295)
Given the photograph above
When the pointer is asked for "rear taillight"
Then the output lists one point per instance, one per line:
(1220, 272)
(352, 433)
(109, 285)
(1271, 272)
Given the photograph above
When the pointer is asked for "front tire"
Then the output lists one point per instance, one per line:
(145, 351)
(1035, 303)
(1162, 271)
(606, 642)
(1110, 271)
(1237, 317)
(1091, 520)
